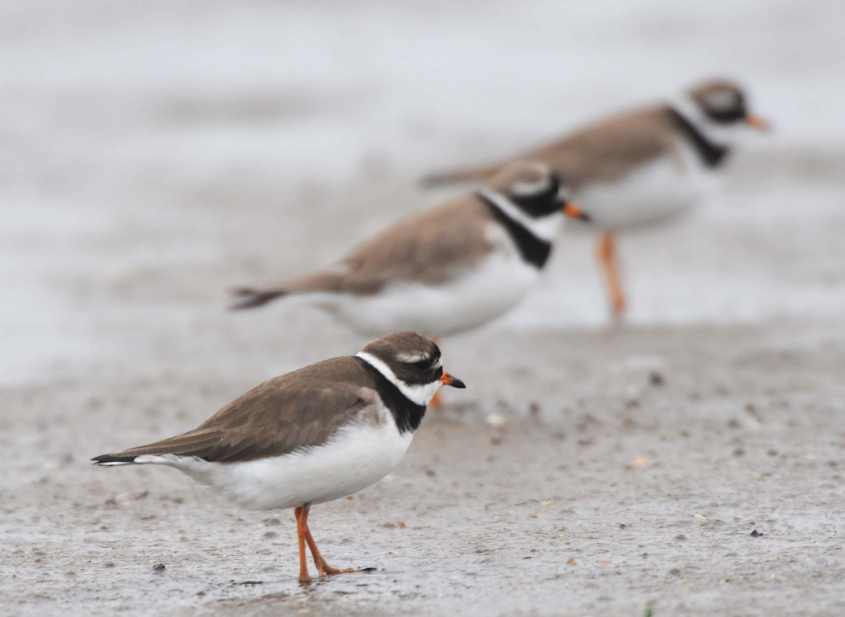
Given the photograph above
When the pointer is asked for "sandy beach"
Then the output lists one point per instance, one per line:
(689, 461)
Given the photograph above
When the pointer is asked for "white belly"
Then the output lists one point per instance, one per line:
(358, 456)
(657, 191)
(480, 295)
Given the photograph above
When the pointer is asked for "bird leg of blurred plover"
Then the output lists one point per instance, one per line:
(322, 566)
(606, 254)
(300, 514)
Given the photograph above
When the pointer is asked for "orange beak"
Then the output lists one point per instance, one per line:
(448, 380)
(574, 212)
(761, 124)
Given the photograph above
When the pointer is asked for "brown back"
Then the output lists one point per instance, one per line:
(430, 247)
(297, 410)
(602, 151)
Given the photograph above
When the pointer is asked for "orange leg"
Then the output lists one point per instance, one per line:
(606, 254)
(436, 401)
(301, 514)
(324, 568)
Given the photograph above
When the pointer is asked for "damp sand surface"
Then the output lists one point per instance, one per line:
(689, 460)
(695, 470)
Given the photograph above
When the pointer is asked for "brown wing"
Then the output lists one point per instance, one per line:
(429, 248)
(605, 150)
(298, 410)
(609, 149)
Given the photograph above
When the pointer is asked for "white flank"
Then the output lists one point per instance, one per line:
(652, 193)
(420, 394)
(358, 455)
(484, 291)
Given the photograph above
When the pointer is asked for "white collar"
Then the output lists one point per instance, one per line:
(543, 228)
(419, 394)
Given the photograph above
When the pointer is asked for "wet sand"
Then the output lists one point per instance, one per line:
(690, 460)
(695, 470)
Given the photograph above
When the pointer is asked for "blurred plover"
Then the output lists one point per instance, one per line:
(446, 270)
(640, 166)
(310, 436)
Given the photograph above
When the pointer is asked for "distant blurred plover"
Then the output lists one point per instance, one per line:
(446, 270)
(640, 166)
(310, 436)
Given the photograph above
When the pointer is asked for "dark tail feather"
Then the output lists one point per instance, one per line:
(443, 178)
(248, 297)
(113, 459)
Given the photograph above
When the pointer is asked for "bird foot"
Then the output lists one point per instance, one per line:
(327, 570)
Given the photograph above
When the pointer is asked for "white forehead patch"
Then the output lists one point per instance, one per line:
(524, 188)
(721, 100)
(410, 358)
(420, 394)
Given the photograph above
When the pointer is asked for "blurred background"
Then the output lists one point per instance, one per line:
(153, 154)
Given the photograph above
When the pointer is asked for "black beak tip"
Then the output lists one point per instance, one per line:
(457, 383)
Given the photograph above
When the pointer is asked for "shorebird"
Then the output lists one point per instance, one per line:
(317, 434)
(447, 270)
(641, 166)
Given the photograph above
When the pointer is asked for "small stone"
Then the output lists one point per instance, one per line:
(638, 462)
(656, 379)
(270, 534)
(272, 522)
(159, 567)
(675, 571)
(496, 420)
(756, 534)
(680, 537)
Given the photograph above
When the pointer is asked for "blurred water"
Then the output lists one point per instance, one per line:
(152, 154)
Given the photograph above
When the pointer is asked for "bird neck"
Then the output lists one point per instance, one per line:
(534, 245)
(689, 122)
(406, 412)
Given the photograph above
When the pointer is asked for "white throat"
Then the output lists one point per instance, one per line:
(544, 228)
(419, 394)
